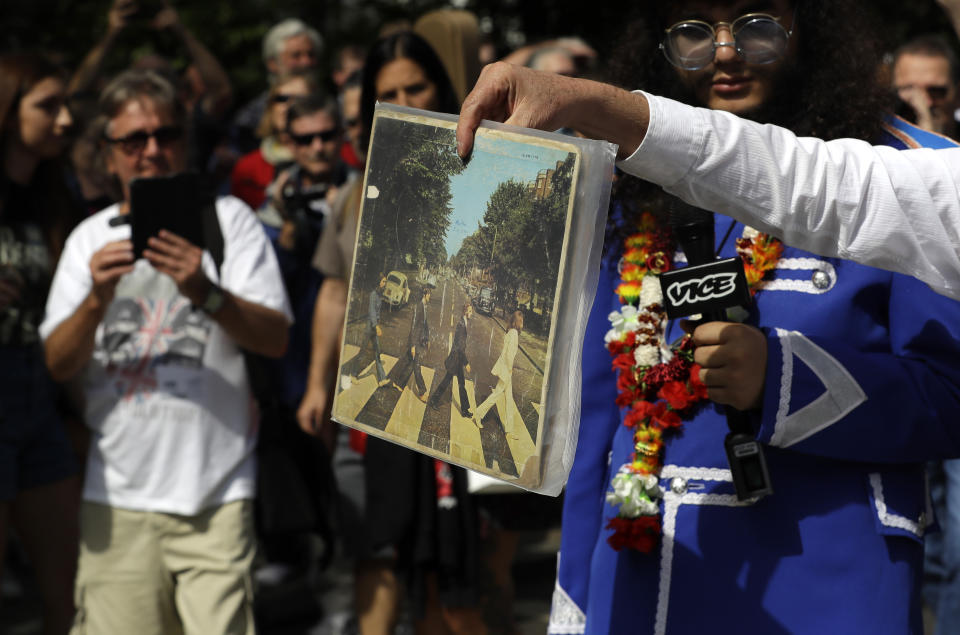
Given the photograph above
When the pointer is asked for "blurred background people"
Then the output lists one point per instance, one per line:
(39, 488)
(289, 45)
(455, 36)
(348, 60)
(204, 87)
(352, 150)
(254, 171)
(295, 499)
(397, 531)
(925, 74)
(554, 59)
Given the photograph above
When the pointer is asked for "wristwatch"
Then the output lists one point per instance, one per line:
(214, 300)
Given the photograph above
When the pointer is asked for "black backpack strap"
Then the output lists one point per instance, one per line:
(212, 233)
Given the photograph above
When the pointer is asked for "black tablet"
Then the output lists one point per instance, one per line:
(181, 204)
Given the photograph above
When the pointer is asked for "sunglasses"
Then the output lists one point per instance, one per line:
(135, 142)
(307, 139)
(757, 37)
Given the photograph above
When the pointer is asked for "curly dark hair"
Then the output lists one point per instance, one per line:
(830, 91)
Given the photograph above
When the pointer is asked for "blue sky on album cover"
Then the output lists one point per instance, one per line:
(494, 160)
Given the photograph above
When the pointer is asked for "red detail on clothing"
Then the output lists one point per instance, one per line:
(444, 479)
(250, 177)
(349, 156)
(358, 441)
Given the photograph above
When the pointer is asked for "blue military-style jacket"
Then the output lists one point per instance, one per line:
(862, 387)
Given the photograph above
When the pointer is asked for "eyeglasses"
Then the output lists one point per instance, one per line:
(307, 139)
(757, 37)
(135, 142)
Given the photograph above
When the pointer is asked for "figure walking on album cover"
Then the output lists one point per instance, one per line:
(417, 343)
(455, 364)
(371, 342)
(502, 394)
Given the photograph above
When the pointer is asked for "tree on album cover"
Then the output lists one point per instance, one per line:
(451, 313)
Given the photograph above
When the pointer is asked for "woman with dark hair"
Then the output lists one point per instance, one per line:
(39, 491)
(392, 495)
(847, 376)
(402, 69)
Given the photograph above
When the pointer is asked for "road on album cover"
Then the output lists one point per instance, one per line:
(399, 412)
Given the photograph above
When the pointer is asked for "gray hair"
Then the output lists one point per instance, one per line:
(131, 85)
(283, 31)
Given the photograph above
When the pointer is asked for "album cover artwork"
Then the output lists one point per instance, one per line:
(456, 283)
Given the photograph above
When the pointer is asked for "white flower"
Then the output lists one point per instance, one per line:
(626, 318)
(636, 494)
(622, 322)
(646, 355)
(750, 233)
(650, 292)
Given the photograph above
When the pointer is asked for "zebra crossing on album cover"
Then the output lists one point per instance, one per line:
(441, 430)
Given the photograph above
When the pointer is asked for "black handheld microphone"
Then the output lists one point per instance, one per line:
(709, 287)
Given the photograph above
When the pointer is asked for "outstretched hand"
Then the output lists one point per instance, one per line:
(527, 98)
(515, 95)
(733, 361)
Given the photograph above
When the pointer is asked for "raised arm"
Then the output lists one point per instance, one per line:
(875, 205)
(218, 94)
(118, 18)
(891, 209)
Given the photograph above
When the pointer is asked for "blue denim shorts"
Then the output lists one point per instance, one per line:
(34, 449)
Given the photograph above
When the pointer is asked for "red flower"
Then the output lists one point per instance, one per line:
(625, 398)
(641, 534)
(639, 413)
(668, 419)
(697, 387)
(626, 382)
(675, 392)
(624, 362)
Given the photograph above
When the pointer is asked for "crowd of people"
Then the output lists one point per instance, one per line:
(165, 421)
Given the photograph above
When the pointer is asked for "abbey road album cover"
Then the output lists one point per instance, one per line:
(451, 312)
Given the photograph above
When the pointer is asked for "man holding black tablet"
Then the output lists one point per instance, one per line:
(156, 337)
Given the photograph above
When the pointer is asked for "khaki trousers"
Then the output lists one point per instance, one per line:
(148, 573)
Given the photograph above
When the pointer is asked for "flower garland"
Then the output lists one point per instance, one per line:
(659, 385)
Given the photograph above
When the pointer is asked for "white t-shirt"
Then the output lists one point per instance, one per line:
(166, 390)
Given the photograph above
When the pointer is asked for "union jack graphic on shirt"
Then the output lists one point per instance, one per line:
(141, 335)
